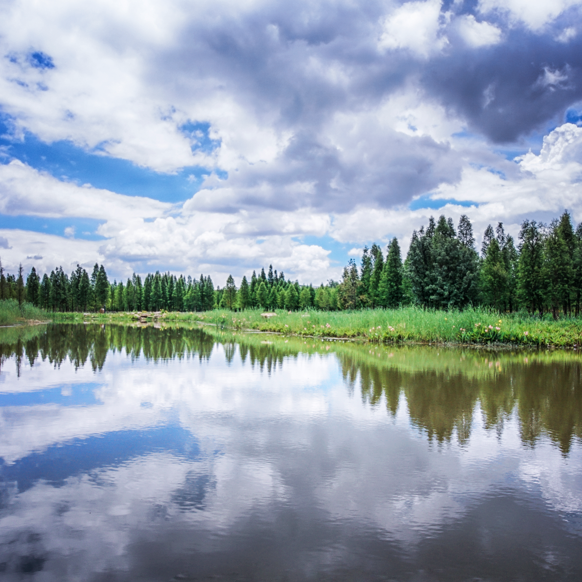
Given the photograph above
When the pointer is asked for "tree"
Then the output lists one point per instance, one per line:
(101, 287)
(3, 285)
(391, 290)
(529, 285)
(83, 290)
(244, 294)
(366, 277)
(33, 288)
(291, 298)
(262, 295)
(229, 294)
(494, 276)
(305, 298)
(377, 268)
(349, 288)
(20, 286)
(557, 272)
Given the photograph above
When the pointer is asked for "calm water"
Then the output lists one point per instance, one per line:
(141, 454)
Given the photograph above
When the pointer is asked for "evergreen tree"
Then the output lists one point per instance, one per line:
(377, 268)
(322, 298)
(349, 288)
(20, 286)
(494, 276)
(366, 277)
(156, 297)
(148, 284)
(83, 290)
(209, 298)
(391, 290)
(270, 277)
(468, 267)
(179, 293)
(244, 294)
(305, 298)
(291, 298)
(529, 278)
(253, 289)
(557, 271)
(273, 298)
(45, 292)
(101, 287)
(577, 268)
(419, 266)
(488, 236)
(3, 284)
(33, 288)
(262, 295)
(229, 294)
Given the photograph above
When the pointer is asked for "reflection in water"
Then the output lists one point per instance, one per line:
(157, 454)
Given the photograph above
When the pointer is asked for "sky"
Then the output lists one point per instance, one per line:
(221, 137)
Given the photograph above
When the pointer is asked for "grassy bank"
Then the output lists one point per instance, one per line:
(12, 314)
(410, 324)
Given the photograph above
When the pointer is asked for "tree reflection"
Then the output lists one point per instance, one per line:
(442, 388)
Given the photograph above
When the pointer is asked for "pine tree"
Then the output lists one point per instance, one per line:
(209, 298)
(83, 290)
(530, 281)
(244, 294)
(305, 298)
(3, 284)
(45, 292)
(101, 287)
(270, 277)
(391, 289)
(366, 277)
(20, 286)
(557, 272)
(494, 276)
(229, 294)
(349, 288)
(33, 288)
(488, 236)
(377, 268)
(156, 297)
(291, 298)
(262, 295)
(179, 293)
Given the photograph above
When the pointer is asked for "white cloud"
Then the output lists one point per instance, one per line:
(24, 190)
(534, 13)
(477, 34)
(415, 26)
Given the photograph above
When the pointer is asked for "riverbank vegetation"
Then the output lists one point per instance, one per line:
(479, 325)
(445, 291)
(11, 313)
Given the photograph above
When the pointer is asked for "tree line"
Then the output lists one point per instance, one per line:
(542, 273)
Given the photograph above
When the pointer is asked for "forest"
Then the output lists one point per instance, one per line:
(540, 274)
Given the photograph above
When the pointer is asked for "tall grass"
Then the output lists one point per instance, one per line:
(409, 324)
(478, 325)
(12, 313)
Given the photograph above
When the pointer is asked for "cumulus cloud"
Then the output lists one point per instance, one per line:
(319, 120)
(24, 190)
(415, 26)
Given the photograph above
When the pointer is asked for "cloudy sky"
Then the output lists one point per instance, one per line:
(222, 136)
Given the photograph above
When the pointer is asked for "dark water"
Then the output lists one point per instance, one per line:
(141, 454)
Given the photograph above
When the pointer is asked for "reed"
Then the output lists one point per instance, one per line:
(409, 324)
(11, 313)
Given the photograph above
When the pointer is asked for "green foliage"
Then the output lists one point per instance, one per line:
(12, 313)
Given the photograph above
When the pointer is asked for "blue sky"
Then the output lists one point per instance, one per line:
(223, 137)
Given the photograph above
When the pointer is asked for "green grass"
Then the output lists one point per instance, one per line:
(11, 313)
(409, 324)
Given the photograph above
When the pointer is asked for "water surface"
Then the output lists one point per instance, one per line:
(131, 453)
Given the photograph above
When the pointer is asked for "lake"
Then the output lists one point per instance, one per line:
(161, 454)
